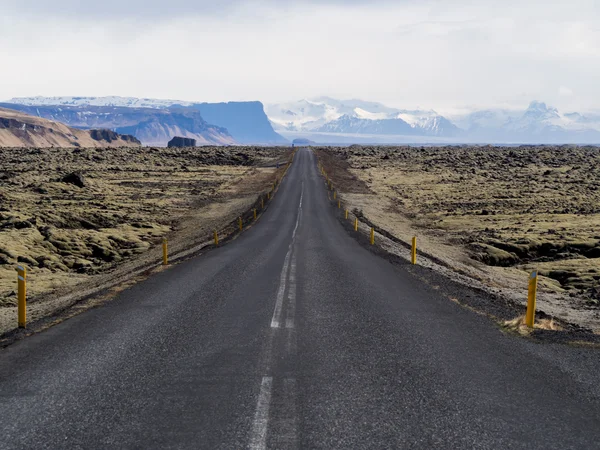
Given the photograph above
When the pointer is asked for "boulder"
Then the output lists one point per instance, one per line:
(178, 141)
(75, 179)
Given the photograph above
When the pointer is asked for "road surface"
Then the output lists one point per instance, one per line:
(293, 336)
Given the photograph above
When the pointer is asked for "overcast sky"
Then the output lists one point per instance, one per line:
(434, 54)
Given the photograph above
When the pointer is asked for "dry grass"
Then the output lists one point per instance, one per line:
(67, 234)
(492, 213)
(518, 325)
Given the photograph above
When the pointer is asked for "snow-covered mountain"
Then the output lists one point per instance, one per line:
(127, 102)
(330, 118)
(538, 123)
(325, 119)
(328, 115)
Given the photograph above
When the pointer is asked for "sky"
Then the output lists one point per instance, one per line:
(444, 55)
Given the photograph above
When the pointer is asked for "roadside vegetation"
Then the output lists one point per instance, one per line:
(495, 213)
(73, 216)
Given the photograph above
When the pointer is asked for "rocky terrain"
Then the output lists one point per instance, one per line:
(493, 212)
(18, 129)
(74, 216)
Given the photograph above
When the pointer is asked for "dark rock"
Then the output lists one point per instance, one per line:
(74, 178)
(178, 141)
(110, 136)
(27, 260)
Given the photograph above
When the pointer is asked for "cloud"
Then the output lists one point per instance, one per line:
(432, 54)
(163, 10)
(563, 90)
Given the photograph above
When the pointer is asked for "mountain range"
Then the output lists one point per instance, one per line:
(18, 129)
(155, 122)
(329, 120)
(322, 120)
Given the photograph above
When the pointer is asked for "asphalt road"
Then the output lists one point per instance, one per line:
(293, 336)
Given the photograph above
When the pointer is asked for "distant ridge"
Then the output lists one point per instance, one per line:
(329, 120)
(245, 122)
(18, 129)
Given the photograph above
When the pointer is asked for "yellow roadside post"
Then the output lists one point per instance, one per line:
(339, 204)
(356, 224)
(346, 214)
(262, 202)
(372, 235)
(165, 252)
(240, 224)
(268, 195)
(413, 253)
(254, 213)
(334, 195)
(22, 296)
(216, 236)
(531, 298)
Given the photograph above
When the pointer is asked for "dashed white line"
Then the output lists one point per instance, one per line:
(276, 320)
(258, 439)
(291, 311)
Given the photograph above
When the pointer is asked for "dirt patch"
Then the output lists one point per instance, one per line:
(491, 214)
(86, 217)
(338, 164)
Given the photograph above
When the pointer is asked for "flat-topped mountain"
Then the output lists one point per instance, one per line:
(155, 122)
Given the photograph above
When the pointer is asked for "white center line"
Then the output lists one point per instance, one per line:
(276, 320)
(258, 440)
(291, 312)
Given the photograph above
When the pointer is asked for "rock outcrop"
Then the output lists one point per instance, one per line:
(111, 136)
(179, 141)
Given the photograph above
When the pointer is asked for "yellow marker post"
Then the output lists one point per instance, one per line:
(240, 224)
(372, 235)
(254, 213)
(356, 224)
(216, 236)
(346, 214)
(334, 195)
(339, 204)
(413, 253)
(262, 203)
(22, 296)
(268, 196)
(531, 298)
(165, 252)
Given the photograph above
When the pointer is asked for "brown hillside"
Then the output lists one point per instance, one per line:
(22, 130)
